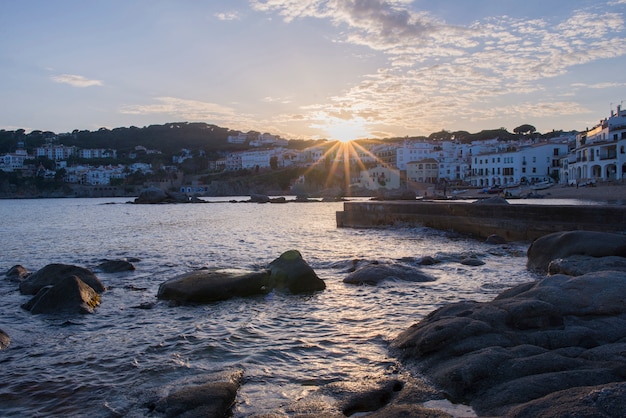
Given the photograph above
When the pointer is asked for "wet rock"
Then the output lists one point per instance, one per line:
(564, 244)
(54, 273)
(213, 398)
(290, 271)
(373, 274)
(69, 295)
(116, 266)
(577, 265)
(17, 273)
(204, 286)
(495, 239)
(592, 401)
(471, 261)
(151, 195)
(281, 199)
(259, 198)
(533, 340)
(5, 340)
(427, 261)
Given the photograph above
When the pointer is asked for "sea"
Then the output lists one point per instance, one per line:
(113, 362)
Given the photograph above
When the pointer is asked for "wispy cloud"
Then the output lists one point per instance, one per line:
(437, 72)
(75, 80)
(181, 108)
(226, 16)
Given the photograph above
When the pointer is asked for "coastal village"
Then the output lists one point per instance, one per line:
(496, 165)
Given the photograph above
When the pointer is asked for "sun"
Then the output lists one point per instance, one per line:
(346, 130)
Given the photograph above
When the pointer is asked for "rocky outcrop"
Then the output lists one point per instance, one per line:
(564, 244)
(151, 195)
(17, 273)
(290, 271)
(213, 398)
(204, 286)
(54, 273)
(555, 337)
(259, 198)
(577, 265)
(116, 266)
(69, 295)
(373, 274)
(5, 340)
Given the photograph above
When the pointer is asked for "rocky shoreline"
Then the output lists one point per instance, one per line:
(551, 347)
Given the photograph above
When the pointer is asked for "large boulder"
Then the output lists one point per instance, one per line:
(564, 244)
(373, 274)
(531, 341)
(5, 340)
(54, 273)
(151, 195)
(69, 295)
(213, 398)
(290, 271)
(204, 286)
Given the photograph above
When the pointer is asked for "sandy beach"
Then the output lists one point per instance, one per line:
(614, 193)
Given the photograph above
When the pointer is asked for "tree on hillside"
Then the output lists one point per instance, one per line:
(525, 129)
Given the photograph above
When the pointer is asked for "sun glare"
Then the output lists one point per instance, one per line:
(346, 130)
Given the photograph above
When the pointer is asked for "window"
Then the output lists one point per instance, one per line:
(556, 152)
(534, 159)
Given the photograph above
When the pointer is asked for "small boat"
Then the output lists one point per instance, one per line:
(542, 185)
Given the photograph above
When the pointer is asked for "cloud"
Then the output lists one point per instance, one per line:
(226, 16)
(75, 80)
(183, 108)
(438, 74)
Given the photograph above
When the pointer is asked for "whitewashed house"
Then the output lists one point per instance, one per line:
(380, 177)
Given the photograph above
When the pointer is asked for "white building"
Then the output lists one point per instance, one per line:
(414, 151)
(600, 153)
(97, 153)
(14, 161)
(55, 152)
(240, 138)
(524, 165)
(380, 177)
(254, 159)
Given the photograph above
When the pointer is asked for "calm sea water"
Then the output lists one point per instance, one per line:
(109, 363)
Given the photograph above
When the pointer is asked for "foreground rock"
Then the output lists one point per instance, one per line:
(288, 272)
(54, 273)
(562, 337)
(5, 340)
(373, 274)
(564, 244)
(69, 295)
(213, 398)
(206, 286)
(577, 265)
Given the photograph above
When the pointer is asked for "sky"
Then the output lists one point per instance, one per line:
(312, 69)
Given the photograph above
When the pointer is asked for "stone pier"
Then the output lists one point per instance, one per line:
(514, 222)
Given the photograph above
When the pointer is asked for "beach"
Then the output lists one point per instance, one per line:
(610, 192)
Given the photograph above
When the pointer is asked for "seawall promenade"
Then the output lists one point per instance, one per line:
(513, 222)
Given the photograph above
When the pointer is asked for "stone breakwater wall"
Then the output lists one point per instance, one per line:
(513, 222)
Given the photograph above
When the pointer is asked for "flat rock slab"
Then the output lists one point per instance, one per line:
(533, 340)
(373, 274)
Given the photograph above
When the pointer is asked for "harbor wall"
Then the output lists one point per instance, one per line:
(520, 222)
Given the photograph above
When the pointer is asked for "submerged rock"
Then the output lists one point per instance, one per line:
(68, 295)
(5, 340)
(17, 273)
(54, 273)
(564, 244)
(533, 340)
(374, 274)
(116, 266)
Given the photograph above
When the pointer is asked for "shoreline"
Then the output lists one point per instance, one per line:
(611, 193)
